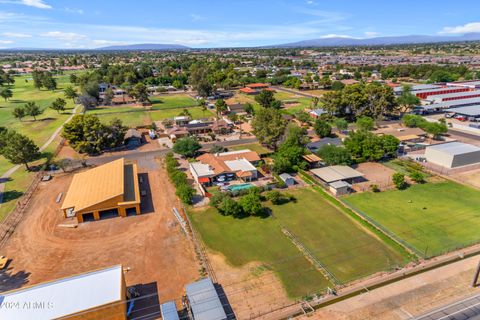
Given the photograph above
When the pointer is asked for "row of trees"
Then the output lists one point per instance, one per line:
(436, 129)
(249, 204)
(179, 179)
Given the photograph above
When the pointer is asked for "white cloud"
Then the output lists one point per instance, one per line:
(73, 10)
(6, 41)
(67, 36)
(371, 34)
(466, 28)
(36, 3)
(107, 42)
(311, 2)
(40, 4)
(16, 35)
(332, 35)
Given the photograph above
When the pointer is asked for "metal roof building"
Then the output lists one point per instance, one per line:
(336, 173)
(470, 111)
(467, 84)
(169, 311)
(450, 104)
(99, 294)
(453, 154)
(453, 96)
(204, 301)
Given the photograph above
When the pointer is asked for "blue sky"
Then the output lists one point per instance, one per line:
(221, 23)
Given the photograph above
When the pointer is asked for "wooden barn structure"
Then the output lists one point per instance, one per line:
(109, 189)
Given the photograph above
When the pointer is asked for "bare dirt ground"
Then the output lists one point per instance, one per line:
(251, 290)
(151, 245)
(408, 298)
(470, 177)
(375, 173)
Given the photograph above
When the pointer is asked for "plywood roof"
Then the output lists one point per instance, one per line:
(95, 186)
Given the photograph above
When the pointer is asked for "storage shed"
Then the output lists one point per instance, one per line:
(288, 179)
(204, 301)
(339, 188)
(453, 154)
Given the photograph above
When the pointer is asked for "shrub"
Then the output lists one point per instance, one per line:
(417, 176)
(374, 188)
(399, 180)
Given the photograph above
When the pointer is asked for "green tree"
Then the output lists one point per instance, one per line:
(341, 124)
(140, 93)
(33, 110)
(187, 147)
(335, 155)
(70, 93)
(365, 123)
(185, 192)
(58, 105)
(251, 203)
(229, 207)
(249, 109)
(436, 129)
(220, 107)
(413, 121)
(18, 149)
(399, 180)
(6, 93)
(268, 126)
(407, 100)
(322, 128)
(337, 85)
(19, 113)
(86, 134)
(265, 98)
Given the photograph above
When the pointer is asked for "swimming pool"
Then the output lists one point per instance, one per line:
(238, 187)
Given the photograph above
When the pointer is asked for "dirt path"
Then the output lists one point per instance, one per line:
(151, 245)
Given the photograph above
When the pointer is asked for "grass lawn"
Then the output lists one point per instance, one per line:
(129, 119)
(14, 189)
(179, 101)
(196, 113)
(302, 104)
(433, 217)
(257, 147)
(342, 246)
(259, 240)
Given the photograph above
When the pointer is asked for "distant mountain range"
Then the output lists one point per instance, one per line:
(144, 46)
(378, 41)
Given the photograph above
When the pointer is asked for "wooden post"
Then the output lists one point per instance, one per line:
(477, 273)
(96, 215)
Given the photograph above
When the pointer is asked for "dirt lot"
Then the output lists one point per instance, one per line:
(469, 177)
(151, 245)
(375, 173)
(251, 290)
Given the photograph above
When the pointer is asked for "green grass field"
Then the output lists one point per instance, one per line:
(342, 246)
(172, 101)
(39, 131)
(433, 218)
(163, 107)
(256, 147)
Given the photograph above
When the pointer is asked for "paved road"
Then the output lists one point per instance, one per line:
(135, 155)
(465, 134)
(468, 308)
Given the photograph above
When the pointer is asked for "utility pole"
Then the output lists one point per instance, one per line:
(477, 273)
